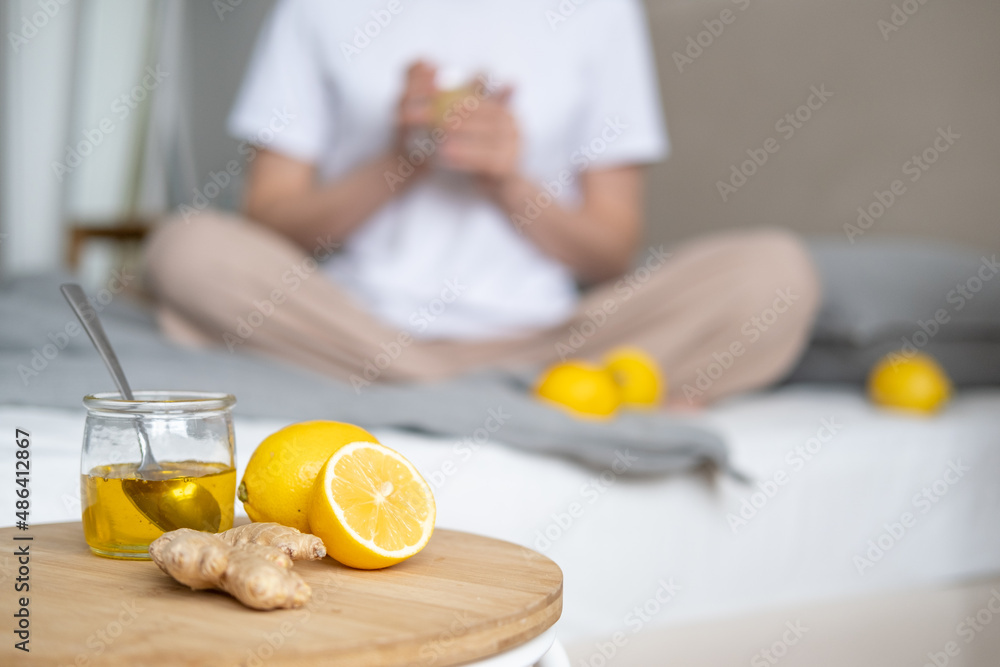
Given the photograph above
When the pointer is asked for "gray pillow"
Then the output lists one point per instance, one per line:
(884, 295)
(967, 363)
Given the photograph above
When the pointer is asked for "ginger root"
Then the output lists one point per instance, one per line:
(257, 575)
(298, 546)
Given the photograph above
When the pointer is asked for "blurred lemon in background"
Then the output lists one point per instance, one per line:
(638, 377)
(916, 383)
(584, 388)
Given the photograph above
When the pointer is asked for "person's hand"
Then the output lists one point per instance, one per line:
(414, 113)
(485, 141)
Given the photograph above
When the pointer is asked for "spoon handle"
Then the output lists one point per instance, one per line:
(92, 325)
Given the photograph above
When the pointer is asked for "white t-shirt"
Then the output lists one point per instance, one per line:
(441, 260)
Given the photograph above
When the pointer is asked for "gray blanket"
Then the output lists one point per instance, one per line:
(46, 366)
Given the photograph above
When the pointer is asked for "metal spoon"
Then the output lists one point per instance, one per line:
(161, 501)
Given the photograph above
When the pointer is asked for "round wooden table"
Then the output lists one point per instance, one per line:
(463, 599)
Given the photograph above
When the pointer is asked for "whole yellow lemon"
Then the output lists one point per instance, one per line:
(582, 387)
(280, 474)
(637, 375)
(916, 383)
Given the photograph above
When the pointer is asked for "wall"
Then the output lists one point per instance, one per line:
(36, 94)
(219, 45)
(72, 111)
(891, 93)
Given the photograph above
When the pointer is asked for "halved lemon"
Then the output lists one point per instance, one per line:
(371, 507)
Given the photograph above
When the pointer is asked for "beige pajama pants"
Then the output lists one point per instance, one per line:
(721, 314)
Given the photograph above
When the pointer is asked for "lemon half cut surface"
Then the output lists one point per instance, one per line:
(371, 507)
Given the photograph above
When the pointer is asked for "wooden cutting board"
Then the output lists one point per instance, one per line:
(462, 598)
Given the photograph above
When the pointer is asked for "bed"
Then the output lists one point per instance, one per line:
(844, 499)
(660, 551)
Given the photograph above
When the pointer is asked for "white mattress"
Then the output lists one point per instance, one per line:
(631, 539)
